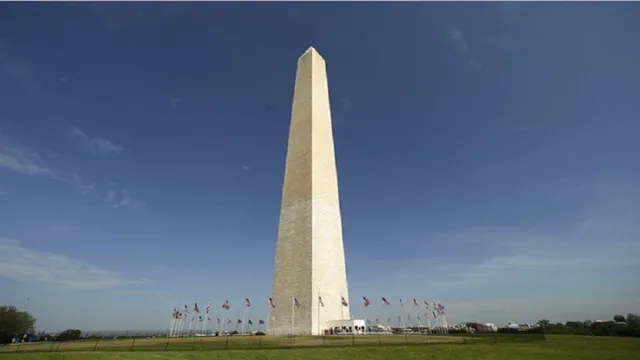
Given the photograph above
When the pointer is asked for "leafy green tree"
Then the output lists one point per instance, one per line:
(544, 323)
(619, 318)
(14, 322)
(69, 334)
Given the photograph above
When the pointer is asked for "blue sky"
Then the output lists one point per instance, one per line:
(487, 156)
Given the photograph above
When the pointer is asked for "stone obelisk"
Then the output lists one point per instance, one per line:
(310, 261)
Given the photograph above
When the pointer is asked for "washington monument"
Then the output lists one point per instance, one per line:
(310, 277)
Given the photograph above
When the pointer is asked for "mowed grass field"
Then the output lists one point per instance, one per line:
(231, 343)
(557, 347)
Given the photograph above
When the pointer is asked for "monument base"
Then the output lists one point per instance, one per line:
(345, 327)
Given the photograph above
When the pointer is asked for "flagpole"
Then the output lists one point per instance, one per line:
(244, 315)
(341, 308)
(269, 322)
(293, 314)
(205, 318)
(171, 324)
(176, 323)
(186, 318)
(435, 322)
(179, 326)
(446, 325)
(318, 301)
(440, 319)
(444, 318)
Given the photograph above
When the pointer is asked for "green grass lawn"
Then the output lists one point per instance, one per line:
(556, 347)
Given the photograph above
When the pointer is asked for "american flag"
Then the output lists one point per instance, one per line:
(385, 302)
(415, 302)
(320, 301)
(401, 303)
(250, 322)
(218, 320)
(226, 305)
(366, 301)
(196, 308)
(344, 302)
(260, 322)
(208, 308)
(296, 302)
(247, 302)
(426, 304)
(186, 309)
(271, 303)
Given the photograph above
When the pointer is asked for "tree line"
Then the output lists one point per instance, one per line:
(627, 326)
(20, 324)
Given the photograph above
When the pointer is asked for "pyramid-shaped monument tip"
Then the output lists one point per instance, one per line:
(310, 50)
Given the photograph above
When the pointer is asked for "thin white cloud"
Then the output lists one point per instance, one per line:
(122, 198)
(110, 196)
(456, 36)
(62, 79)
(19, 158)
(246, 168)
(96, 145)
(22, 264)
(78, 182)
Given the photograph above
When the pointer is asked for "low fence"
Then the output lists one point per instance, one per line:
(262, 342)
